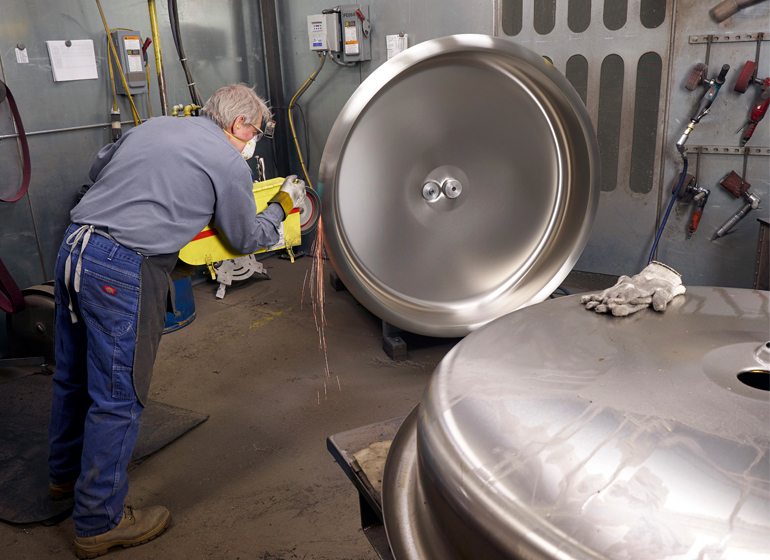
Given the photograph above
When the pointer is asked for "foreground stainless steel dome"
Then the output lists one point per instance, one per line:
(555, 432)
(459, 183)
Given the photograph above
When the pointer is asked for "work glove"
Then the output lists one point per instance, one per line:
(291, 195)
(657, 284)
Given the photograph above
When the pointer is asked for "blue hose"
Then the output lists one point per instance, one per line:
(674, 196)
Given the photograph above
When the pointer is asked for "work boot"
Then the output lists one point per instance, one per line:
(60, 491)
(138, 526)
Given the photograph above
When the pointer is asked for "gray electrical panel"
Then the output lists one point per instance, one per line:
(128, 45)
(355, 31)
(323, 32)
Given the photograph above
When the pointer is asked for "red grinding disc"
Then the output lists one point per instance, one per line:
(746, 76)
(310, 211)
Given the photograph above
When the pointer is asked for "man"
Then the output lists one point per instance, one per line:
(154, 190)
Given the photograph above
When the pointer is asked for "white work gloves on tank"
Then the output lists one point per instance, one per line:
(295, 188)
(657, 284)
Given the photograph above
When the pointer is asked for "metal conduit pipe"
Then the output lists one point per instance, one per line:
(158, 56)
(66, 129)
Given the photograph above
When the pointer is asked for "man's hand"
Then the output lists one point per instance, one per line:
(295, 188)
(291, 195)
(657, 284)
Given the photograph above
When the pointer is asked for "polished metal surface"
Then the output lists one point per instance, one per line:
(431, 191)
(510, 130)
(555, 432)
(452, 188)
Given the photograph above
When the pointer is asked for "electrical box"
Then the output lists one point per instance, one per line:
(355, 31)
(323, 31)
(128, 45)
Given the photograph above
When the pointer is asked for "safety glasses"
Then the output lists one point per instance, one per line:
(268, 132)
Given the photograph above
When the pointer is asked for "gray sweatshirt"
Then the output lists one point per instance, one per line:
(162, 182)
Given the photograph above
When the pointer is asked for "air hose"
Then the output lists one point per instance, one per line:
(176, 33)
(5, 93)
(674, 196)
(703, 109)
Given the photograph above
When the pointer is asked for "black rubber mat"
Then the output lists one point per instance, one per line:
(25, 405)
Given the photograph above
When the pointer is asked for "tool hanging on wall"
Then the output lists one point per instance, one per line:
(697, 76)
(26, 174)
(738, 188)
(747, 77)
(698, 196)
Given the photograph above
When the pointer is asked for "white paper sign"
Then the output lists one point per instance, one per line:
(396, 43)
(74, 62)
(21, 56)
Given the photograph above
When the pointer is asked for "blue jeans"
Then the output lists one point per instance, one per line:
(95, 411)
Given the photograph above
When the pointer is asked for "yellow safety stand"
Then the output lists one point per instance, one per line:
(208, 247)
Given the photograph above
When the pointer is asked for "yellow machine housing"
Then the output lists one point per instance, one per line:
(209, 247)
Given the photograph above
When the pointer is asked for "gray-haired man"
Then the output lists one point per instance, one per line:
(154, 190)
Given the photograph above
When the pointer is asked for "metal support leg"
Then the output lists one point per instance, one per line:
(392, 343)
(335, 281)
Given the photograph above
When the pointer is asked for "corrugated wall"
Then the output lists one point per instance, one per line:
(629, 59)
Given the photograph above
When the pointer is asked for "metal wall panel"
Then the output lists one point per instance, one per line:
(625, 218)
(420, 19)
(728, 261)
(629, 208)
(653, 32)
(223, 43)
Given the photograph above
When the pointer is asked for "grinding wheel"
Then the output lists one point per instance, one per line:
(696, 76)
(746, 76)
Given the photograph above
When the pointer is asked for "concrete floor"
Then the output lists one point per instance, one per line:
(255, 481)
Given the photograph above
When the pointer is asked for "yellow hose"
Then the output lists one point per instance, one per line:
(149, 99)
(300, 91)
(112, 78)
(158, 56)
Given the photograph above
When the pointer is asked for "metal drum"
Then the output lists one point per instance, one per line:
(459, 183)
(555, 432)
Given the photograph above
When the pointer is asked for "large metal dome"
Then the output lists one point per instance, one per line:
(555, 432)
(459, 183)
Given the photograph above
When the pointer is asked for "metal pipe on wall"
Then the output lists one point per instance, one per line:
(158, 56)
(270, 43)
(66, 129)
